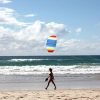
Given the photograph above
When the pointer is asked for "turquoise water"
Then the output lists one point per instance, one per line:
(40, 64)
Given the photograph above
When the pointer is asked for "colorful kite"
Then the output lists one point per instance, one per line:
(51, 43)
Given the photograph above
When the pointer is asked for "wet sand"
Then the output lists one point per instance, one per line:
(37, 82)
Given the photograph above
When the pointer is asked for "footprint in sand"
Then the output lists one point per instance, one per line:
(50, 96)
(4, 97)
(37, 97)
(20, 97)
(58, 97)
(63, 96)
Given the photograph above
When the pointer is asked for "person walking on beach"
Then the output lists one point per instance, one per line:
(50, 79)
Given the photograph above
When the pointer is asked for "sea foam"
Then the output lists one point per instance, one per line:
(42, 69)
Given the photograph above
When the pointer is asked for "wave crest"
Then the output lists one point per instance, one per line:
(27, 70)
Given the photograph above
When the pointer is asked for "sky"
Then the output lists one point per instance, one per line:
(25, 26)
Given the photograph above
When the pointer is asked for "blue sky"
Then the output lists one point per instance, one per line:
(26, 24)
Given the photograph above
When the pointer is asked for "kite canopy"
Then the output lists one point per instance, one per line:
(51, 43)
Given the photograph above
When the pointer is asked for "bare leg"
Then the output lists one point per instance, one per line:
(48, 84)
(54, 84)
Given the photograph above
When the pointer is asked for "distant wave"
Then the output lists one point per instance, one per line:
(40, 64)
(27, 70)
(17, 60)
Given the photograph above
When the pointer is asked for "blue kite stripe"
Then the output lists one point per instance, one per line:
(51, 43)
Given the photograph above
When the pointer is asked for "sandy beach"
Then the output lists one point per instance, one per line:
(69, 87)
(70, 94)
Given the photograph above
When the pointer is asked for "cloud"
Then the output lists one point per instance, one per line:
(78, 30)
(58, 29)
(7, 17)
(77, 47)
(5, 31)
(40, 30)
(29, 15)
(31, 39)
(5, 1)
(68, 45)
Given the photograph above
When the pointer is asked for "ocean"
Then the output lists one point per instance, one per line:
(29, 65)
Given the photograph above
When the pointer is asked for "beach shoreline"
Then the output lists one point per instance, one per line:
(32, 87)
(37, 82)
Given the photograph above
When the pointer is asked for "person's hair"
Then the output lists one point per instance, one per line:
(50, 69)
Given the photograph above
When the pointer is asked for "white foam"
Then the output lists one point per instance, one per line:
(16, 60)
(26, 70)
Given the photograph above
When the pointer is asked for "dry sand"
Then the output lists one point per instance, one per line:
(70, 94)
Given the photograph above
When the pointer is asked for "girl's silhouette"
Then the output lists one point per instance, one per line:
(50, 79)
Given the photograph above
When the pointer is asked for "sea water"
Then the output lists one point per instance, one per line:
(27, 65)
